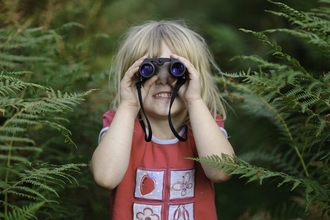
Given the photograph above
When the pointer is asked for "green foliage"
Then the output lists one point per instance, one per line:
(30, 185)
(295, 100)
(43, 46)
(26, 212)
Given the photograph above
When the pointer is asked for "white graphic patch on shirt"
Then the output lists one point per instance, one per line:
(182, 184)
(149, 184)
(181, 212)
(147, 212)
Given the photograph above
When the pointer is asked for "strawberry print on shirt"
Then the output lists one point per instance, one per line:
(149, 184)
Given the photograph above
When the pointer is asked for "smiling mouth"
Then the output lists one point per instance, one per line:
(163, 95)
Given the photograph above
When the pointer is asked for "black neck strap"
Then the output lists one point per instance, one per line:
(178, 84)
(148, 136)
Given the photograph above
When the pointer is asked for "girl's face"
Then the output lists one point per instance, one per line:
(157, 101)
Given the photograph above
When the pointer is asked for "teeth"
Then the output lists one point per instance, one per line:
(163, 95)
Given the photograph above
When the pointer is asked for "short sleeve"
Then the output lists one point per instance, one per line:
(220, 121)
(106, 119)
(221, 125)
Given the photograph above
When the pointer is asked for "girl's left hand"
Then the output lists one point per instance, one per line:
(192, 89)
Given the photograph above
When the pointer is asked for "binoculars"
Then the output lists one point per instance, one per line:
(147, 68)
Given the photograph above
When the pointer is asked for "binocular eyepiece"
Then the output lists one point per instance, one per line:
(147, 68)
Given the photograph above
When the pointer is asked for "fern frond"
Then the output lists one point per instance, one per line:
(245, 170)
(25, 213)
(276, 159)
(24, 192)
(325, 77)
(14, 158)
(315, 192)
(42, 177)
(21, 148)
(6, 58)
(69, 25)
(290, 13)
(4, 138)
(311, 38)
(276, 50)
(32, 113)
(262, 63)
(10, 84)
(313, 189)
(65, 100)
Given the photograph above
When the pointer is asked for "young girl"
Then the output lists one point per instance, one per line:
(154, 179)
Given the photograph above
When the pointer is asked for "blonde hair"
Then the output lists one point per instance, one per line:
(147, 39)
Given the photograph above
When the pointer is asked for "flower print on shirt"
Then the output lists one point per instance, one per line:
(147, 214)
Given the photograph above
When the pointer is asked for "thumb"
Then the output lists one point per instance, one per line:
(149, 82)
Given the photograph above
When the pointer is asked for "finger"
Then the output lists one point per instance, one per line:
(185, 61)
(183, 89)
(150, 82)
(190, 67)
(193, 84)
(133, 70)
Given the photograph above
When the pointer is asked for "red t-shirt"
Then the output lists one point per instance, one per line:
(160, 183)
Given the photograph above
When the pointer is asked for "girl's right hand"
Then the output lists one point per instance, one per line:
(128, 93)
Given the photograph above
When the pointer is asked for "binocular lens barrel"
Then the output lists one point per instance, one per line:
(177, 69)
(147, 70)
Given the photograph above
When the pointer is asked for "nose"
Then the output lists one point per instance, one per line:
(164, 76)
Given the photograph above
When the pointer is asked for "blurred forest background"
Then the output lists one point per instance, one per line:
(77, 40)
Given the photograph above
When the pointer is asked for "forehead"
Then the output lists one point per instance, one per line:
(165, 51)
